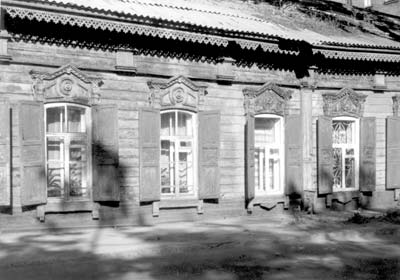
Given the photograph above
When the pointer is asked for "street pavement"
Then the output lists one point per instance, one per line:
(279, 246)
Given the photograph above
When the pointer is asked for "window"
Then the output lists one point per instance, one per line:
(367, 3)
(178, 154)
(345, 141)
(269, 163)
(67, 151)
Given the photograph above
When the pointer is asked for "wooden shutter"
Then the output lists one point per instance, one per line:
(294, 155)
(393, 153)
(367, 170)
(33, 174)
(105, 153)
(325, 155)
(5, 187)
(209, 130)
(250, 170)
(149, 145)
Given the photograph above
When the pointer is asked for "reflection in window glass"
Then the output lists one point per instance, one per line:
(55, 179)
(76, 119)
(268, 155)
(77, 175)
(167, 166)
(54, 149)
(55, 119)
(168, 124)
(185, 124)
(265, 130)
(345, 150)
(67, 148)
(177, 170)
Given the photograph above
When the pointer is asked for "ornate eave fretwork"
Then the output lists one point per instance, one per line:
(357, 55)
(346, 102)
(66, 84)
(269, 99)
(112, 25)
(396, 105)
(178, 92)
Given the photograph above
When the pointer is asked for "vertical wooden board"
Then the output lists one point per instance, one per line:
(149, 154)
(209, 135)
(294, 155)
(325, 155)
(367, 172)
(249, 156)
(5, 187)
(106, 185)
(393, 153)
(33, 181)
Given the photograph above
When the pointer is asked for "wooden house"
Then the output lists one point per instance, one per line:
(174, 108)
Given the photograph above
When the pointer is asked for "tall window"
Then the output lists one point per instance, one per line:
(178, 154)
(269, 161)
(345, 153)
(67, 149)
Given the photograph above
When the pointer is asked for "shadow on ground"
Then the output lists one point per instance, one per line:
(251, 248)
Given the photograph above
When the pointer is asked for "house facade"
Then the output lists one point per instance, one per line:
(122, 107)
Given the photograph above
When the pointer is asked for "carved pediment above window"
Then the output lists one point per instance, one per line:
(346, 102)
(269, 99)
(66, 84)
(178, 92)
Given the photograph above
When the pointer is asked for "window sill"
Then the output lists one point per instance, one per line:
(68, 206)
(178, 203)
(345, 196)
(271, 199)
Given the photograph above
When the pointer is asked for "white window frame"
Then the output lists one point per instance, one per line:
(65, 158)
(367, 3)
(356, 146)
(176, 139)
(280, 144)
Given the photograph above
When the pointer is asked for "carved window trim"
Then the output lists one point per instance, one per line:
(269, 99)
(66, 84)
(178, 93)
(346, 102)
(396, 105)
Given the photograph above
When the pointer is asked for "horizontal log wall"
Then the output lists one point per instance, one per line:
(132, 92)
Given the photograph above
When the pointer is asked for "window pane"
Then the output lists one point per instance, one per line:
(271, 173)
(77, 179)
(55, 180)
(77, 150)
(274, 170)
(168, 124)
(167, 166)
(343, 132)
(350, 173)
(54, 149)
(266, 130)
(260, 169)
(185, 172)
(186, 144)
(76, 119)
(337, 168)
(55, 119)
(185, 125)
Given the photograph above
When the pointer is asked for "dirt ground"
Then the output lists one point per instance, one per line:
(280, 246)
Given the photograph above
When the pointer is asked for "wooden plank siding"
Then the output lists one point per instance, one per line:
(132, 92)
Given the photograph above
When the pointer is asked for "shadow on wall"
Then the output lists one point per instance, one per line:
(118, 204)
